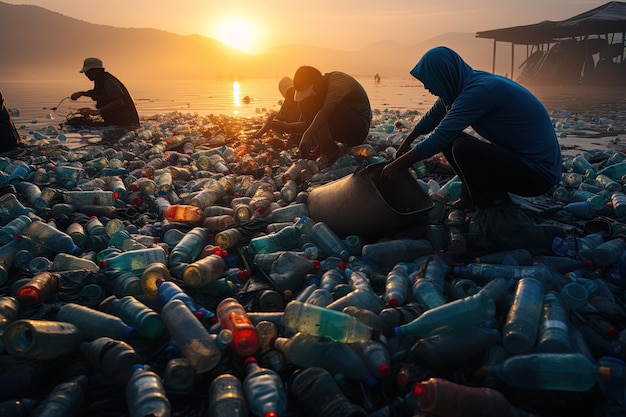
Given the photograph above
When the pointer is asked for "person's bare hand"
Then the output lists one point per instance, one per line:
(307, 145)
(76, 95)
(86, 112)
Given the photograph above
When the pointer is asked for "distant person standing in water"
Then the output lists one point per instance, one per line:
(289, 113)
(10, 143)
(335, 108)
(520, 153)
(113, 101)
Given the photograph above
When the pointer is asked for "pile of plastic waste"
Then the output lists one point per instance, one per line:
(176, 271)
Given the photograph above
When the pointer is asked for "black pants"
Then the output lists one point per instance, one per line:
(491, 172)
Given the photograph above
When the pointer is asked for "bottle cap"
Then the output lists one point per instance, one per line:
(418, 389)
(250, 359)
(384, 370)
(397, 331)
(130, 332)
(393, 302)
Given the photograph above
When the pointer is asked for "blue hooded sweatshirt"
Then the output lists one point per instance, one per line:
(497, 108)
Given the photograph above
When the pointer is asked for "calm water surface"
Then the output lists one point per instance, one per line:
(252, 98)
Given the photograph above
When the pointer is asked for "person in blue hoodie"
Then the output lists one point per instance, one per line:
(517, 151)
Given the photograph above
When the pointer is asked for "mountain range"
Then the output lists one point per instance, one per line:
(38, 44)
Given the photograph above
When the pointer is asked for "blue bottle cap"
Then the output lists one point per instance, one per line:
(397, 331)
(456, 270)
(76, 250)
(130, 332)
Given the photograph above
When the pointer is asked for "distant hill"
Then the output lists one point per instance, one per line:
(36, 43)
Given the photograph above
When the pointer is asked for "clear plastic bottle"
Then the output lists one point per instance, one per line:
(397, 285)
(114, 358)
(77, 232)
(554, 334)
(483, 273)
(285, 239)
(519, 334)
(233, 316)
(179, 375)
(618, 201)
(226, 397)
(375, 355)
(89, 198)
(41, 339)
(459, 313)
(189, 247)
(204, 271)
(427, 293)
(264, 391)
(444, 398)
(228, 238)
(67, 262)
(14, 228)
(65, 400)
(550, 371)
(94, 323)
(324, 322)
(136, 260)
(306, 350)
(190, 336)
(393, 251)
(145, 320)
(145, 394)
(9, 308)
(609, 252)
(328, 241)
(169, 290)
(51, 238)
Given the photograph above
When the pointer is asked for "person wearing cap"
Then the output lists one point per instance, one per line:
(335, 108)
(515, 149)
(285, 120)
(113, 101)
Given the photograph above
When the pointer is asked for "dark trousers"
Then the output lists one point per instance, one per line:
(491, 172)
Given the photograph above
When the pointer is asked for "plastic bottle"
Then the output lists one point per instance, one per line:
(444, 398)
(41, 339)
(226, 397)
(288, 213)
(189, 247)
(285, 239)
(228, 238)
(114, 358)
(427, 293)
(573, 296)
(483, 273)
(618, 201)
(51, 238)
(331, 278)
(522, 322)
(264, 391)
(233, 316)
(150, 276)
(397, 285)
(389, 253)
(305, 351)
(375, 355)
(204, 271)
(554, 334)
(609, 252)
(77, 232)
(14, 228)
(10, 208)
(448, 351)
(179, 375)
(89, 198)
(550, 371)
(145, 394)
(361, 297)
(9, 308)
(135, 260)
(328, 241)
(93, 323)
(65, 400)
(323, 322)
(182, 213)
(67, 262)
(145, 320)
(38, 289)
(169, 290)
(190, 336)
(615, 171)
(459, 313)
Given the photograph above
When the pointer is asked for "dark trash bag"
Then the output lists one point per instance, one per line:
(362, 204)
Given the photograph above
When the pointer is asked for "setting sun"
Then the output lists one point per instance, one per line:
(238, 33)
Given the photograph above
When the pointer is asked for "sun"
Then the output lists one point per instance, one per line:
(237, 32)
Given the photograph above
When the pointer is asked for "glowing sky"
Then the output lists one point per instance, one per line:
(255, 25)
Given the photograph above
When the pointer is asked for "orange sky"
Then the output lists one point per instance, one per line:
(255, 26)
